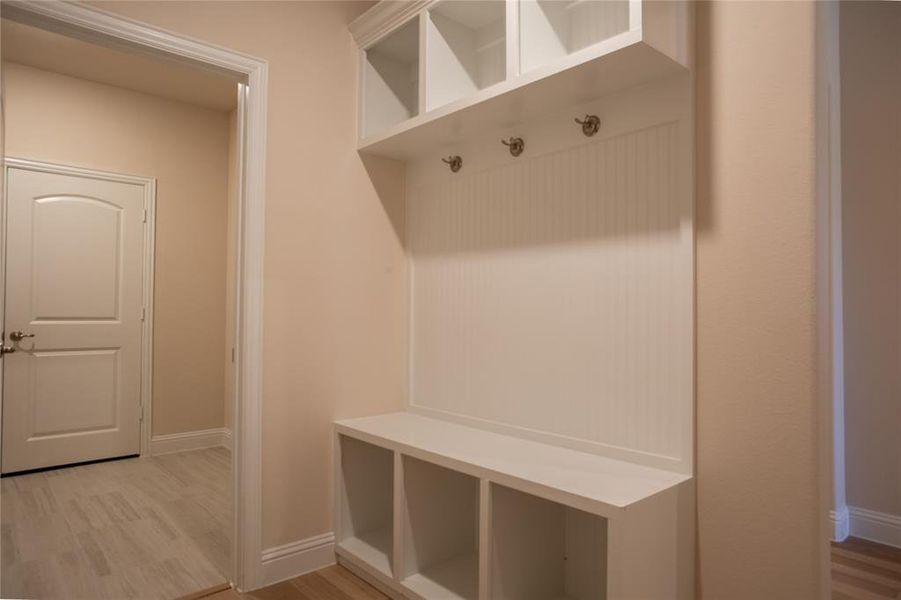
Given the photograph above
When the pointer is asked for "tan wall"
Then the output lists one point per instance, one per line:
(758, 449)
(52, 118)
(871, 195)
(334, 300)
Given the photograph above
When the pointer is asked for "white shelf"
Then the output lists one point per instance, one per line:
(597, 484)
(517, 100)
(453, 579)
(371, 547)
(488, 64)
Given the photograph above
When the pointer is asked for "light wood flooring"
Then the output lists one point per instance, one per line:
(155, 527)
(863, 570)
(330, 583)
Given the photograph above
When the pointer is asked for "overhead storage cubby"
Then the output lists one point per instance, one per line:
(542, 550)
(553, 29)
(481, 64)
(391, 79)
(441, 532)
(466, 49)
(366, 503)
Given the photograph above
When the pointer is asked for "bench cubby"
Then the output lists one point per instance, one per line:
(542, 549)
(440, 531)
(366, 502)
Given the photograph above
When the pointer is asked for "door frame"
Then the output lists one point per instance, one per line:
(148, 185)
(99, 26)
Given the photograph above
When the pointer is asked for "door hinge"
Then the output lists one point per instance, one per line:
(233, 354)
(143, 313)
(141, 412)
(144, 218)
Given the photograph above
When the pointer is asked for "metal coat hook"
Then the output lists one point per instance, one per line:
(590, 124)
(515, 144)
(455, 162)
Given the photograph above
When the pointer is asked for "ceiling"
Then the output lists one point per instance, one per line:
(50, 51)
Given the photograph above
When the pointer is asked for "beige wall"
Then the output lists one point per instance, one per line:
(334, 263)
(334, 299)
(871, 196)
(758, 446)
(61, 119)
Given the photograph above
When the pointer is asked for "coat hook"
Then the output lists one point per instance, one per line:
(455, 162)
(590, 125)
(515, 144)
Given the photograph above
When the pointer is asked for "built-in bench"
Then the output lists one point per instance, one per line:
(432, 509)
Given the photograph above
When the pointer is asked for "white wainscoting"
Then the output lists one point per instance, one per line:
(875, 526)
(552, 294)
(191, 440)
(296, 558)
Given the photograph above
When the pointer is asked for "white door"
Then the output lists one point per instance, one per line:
(74, 282)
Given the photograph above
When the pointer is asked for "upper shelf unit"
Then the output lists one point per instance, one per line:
(435, 72)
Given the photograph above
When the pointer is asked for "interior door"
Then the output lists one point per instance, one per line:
(72, 385)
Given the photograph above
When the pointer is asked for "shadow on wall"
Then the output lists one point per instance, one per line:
(387, 178)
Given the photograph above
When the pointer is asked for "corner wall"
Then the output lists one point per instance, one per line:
(871, 194)
(760, 519)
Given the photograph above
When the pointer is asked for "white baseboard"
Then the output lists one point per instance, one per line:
(840, 524)
(875, 526)
(296, 558)
(190, 440)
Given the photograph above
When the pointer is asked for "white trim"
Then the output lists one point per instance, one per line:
(86, 22)
(190, 440)
(296, 558)
(830, 326)
(227, 439)
(840, 524)
(875, 526)
(149, 186)
(384, 18)
(147, 324)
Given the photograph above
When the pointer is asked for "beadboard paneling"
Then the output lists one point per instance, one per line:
(592, 22)
(554, 294)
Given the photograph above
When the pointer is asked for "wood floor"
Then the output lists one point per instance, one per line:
(155, 527)
(863, 570)
(330, 583)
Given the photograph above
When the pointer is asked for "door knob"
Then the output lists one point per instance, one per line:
(7, 350)
(18, 336)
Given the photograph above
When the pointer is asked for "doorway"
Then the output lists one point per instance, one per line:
(85, 23)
